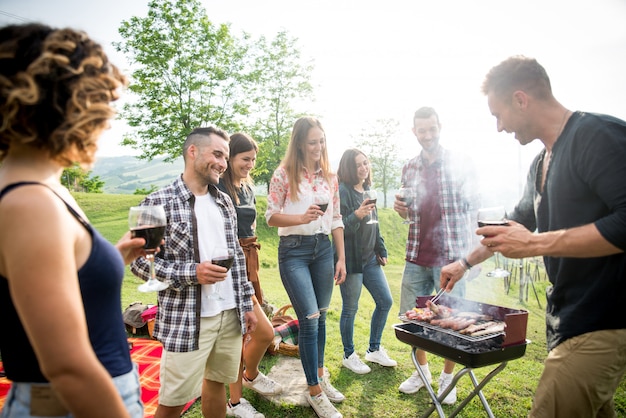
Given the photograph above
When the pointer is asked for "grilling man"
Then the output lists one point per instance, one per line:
(575, 198)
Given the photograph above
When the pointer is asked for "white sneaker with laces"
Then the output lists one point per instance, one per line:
(243, 410)
(333, 394)
(355, 364)
(322, 406)
(414, 383)
(381, 357)
(263, 385)
(444, 381)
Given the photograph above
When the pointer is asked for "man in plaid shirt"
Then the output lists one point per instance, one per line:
(201, 334)
(442, 213)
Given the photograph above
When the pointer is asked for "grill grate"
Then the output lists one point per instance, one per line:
(452, 332)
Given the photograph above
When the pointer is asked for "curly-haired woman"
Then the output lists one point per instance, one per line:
(62, 337)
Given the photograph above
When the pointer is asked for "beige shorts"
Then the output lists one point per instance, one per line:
(217, 360)
(581, 375)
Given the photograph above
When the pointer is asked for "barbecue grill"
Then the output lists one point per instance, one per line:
(472, 352)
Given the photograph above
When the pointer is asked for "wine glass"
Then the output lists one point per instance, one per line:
(494, 216)
(369, 196)
(222, 256)
(322, 202)
(149, 222)
(407, 195)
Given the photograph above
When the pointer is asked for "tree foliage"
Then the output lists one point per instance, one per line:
(188, 72)
(282, 80)
(379, 142)
(77, 179)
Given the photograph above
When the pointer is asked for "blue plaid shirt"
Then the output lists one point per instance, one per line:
(459, 200)
(177, 324)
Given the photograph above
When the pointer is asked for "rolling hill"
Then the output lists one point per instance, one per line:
(125, 174)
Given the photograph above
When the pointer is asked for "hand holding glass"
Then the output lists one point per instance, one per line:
(369, 196)
(149, 222)
(222, 256)
(407, 195)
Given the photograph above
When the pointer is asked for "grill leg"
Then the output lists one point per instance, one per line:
(429, 388)
(478, 390)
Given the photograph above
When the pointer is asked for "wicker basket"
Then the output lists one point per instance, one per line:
(286, 349)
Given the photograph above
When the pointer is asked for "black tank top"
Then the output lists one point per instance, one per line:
(100, 280)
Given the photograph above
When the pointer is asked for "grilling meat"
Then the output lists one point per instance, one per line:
(468, 323)
(420, 314)
(439, 310)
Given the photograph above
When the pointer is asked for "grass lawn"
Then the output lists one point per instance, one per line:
(375, 394)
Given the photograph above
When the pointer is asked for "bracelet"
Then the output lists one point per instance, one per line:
(469, 266)
(463, 265)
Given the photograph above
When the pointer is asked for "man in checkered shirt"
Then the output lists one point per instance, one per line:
(442, 216)
(201, 334)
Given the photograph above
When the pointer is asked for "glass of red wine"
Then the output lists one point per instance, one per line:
(494, 216)
(369, 197)
(149, 222)
(323, 207)
(222, 256)
(407, 195)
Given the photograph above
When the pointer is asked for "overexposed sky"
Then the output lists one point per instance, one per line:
(385, 59)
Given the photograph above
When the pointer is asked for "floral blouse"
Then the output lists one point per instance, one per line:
(314, 189)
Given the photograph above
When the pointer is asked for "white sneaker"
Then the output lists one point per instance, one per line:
(333, 394)
(263, 385)
(322, 406)
(243, 410)
(380, 356)
(444, 382)
(355, 364)
(414, 383)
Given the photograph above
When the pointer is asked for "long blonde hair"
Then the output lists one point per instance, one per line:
(293, 162)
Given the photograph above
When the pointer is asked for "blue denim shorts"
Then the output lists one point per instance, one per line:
(18, 400)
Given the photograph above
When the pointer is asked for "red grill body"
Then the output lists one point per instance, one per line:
(470, 351)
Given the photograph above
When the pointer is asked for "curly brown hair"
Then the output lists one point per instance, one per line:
(56, 86)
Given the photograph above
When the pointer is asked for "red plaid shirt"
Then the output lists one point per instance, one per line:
(459, 201)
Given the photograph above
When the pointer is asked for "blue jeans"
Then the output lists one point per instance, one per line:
(306, 268)
(422, 281)
(374, 280)
(17, 404)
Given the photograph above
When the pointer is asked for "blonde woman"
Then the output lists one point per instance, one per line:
(300, 188)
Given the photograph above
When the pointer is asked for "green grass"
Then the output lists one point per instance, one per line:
(375, 394)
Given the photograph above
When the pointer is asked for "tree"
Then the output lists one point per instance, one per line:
(187, 73)
(146, 191)
(282, 78)
(379, 142)
(77, 179)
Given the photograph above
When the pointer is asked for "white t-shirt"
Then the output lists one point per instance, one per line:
(211, 235)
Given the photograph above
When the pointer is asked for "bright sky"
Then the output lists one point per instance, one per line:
(378, 59)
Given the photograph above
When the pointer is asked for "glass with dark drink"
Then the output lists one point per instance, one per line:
(322, 202)
(148, 222)
(224, 257)
(494, 216)
(407, 195)
(369, 197)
